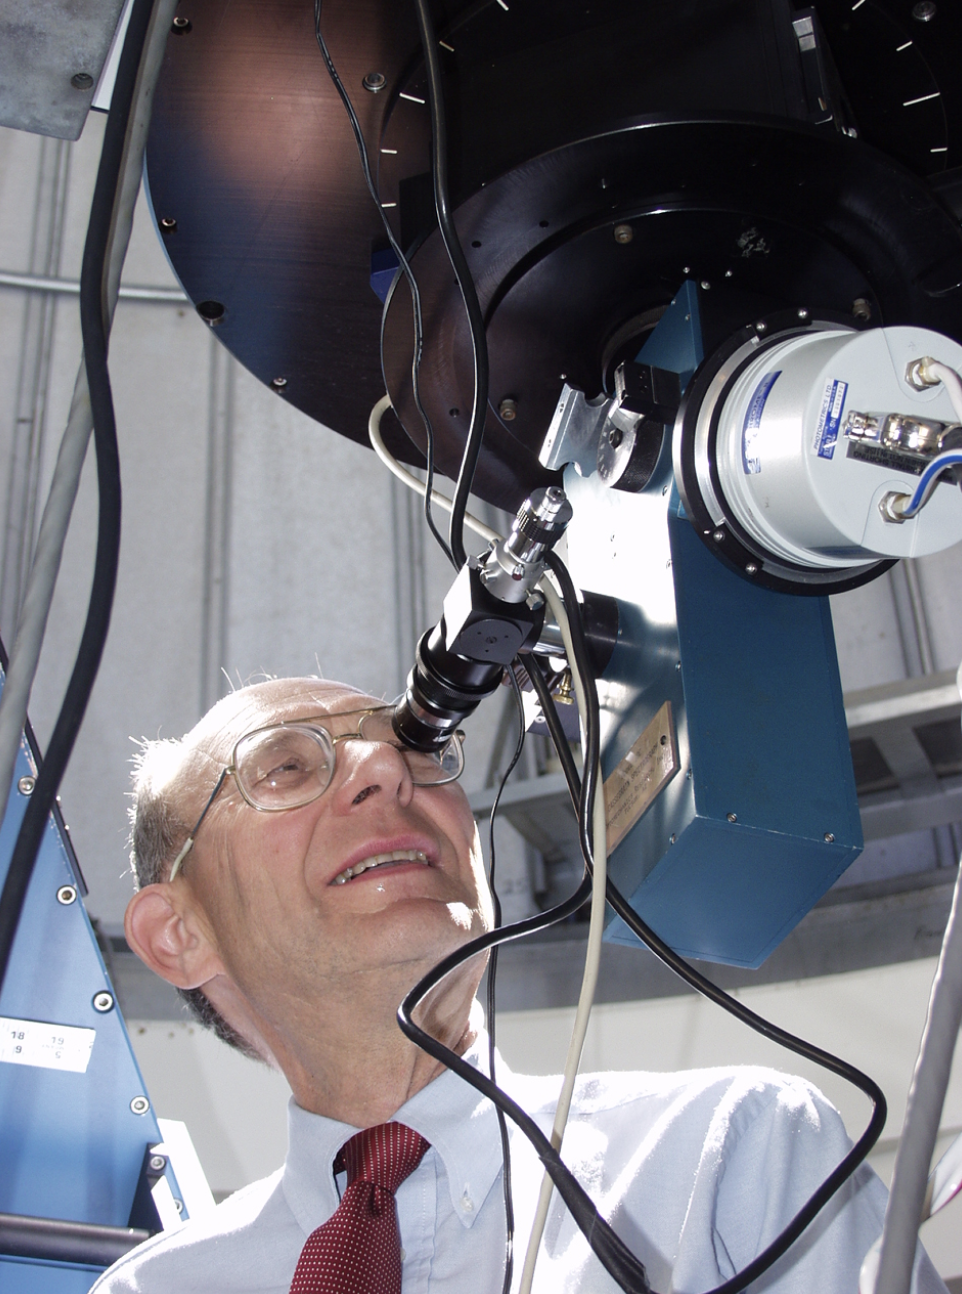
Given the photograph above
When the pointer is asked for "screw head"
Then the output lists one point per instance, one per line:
(829, 837)
(802, 313)
(689, 775)
(374, 82)
(924, 11)
(103, 1002)
(615, 437)
(732, 817)
(729, 273)
(180, 26)
(751, 569)
(718, 536)
(862, 309)
(139, 1105)
(179, 1205)
(212, 312)
(67, 894)
(278, 383)
(686, 269)
(157, 1163)
(168, 225)
(761, 326)
(82, 81)
(508, 409)
(26, 784)
(623, 233)
(705, 285)
(672, 838)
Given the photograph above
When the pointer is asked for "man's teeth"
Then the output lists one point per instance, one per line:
(395, 856)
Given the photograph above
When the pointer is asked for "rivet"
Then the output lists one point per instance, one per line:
(705, 285)
(829, 837)
(139, 1105)
(686, 269)
(26, 784)
(212, 312)
(924, 11)
(508, 409)
(728, 273)
(374, 82)
(672, 838)
(732, 817)
(278, 383)
(623, 233)
(168, 225)
(103, 1002)
(82, 81)
(761, 326)
(751, 569)
(862, 309)
(802, 313)
(158, 1163)
(718, 536)
(67, 894)
(180, 26)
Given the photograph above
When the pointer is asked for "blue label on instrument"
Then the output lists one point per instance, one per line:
(753, 420)
(830, 418)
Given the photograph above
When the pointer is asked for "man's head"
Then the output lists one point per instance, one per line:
(260, 923)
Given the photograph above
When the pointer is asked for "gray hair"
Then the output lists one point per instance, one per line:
(171, 781)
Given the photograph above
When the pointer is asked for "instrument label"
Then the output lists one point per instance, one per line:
(830, 418)
(48, 1046)
(646, 769)
(751, 461)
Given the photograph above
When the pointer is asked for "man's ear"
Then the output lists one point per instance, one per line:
(169, 939)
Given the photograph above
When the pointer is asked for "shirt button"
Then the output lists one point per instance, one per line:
(403, 1255)
(467, 1203)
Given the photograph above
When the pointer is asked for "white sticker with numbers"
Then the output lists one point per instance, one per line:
(50, 1046)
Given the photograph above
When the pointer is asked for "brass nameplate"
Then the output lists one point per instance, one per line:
(645, 770)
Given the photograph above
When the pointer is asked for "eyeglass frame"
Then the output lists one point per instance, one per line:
(309, 720)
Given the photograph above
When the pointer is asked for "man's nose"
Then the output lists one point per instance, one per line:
(372, 767)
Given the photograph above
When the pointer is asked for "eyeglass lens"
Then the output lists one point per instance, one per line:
(285, 766)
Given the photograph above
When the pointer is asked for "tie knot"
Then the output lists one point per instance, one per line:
(384, 1155)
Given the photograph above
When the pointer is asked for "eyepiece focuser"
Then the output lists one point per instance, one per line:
(491, 611)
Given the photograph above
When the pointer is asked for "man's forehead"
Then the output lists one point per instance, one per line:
(273, 700)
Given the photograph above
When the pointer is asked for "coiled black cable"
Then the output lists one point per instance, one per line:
(95, 327)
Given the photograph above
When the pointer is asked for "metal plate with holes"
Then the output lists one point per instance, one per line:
(51, 56)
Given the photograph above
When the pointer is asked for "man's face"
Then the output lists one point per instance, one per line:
(270, 885)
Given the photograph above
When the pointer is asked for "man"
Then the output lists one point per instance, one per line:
(299, 873)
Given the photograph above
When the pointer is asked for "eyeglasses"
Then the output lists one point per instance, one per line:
(289, 764)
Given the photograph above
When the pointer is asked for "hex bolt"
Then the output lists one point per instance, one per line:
(732, 817)
(623, 233)
(924, 11)
(718, 536)
(374, 82)
(181, 26)
(168, 225)
(139, 1105)
(508, 409)
(157, 1163)
(830, 837)
(26, 784)
(67, 894)
(615, 437)
(82, 81)
(103, 1002)
(862, 309)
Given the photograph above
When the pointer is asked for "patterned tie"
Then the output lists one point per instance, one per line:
(358, 1249)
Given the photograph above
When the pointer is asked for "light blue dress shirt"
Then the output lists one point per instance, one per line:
(696, 1171)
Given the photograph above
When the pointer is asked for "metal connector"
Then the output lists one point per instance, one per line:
(892, 505)
(919, 375)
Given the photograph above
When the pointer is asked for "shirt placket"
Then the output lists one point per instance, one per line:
(417, 1208)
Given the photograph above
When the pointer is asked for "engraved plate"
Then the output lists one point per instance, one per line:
(648, 766)
(49, 1046)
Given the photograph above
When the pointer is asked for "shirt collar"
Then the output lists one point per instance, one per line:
(460, 1124)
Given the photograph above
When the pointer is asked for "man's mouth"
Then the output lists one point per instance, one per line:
(381, 860)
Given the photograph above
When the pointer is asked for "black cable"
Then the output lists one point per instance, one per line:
(472, 306)
(406, 270)
(492, 1001)
(697, 981)
(95, 330)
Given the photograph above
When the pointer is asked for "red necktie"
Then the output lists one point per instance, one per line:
(358, 1249)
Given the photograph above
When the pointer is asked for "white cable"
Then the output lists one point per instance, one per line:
(409, 479)
(32, 621)
(589, 980)
(949, 378)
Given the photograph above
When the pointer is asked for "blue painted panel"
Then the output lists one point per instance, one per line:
(752, 678)
(23, 1276)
